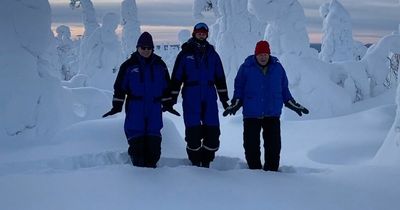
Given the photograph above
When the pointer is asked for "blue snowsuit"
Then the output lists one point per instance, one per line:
(199, 68)
(262, 95)
(144, 82)
(263, 91)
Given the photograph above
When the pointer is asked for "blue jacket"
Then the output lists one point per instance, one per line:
(262, 95)
(199, 68)
(145, 83)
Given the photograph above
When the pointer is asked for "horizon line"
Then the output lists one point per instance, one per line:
(163, 34)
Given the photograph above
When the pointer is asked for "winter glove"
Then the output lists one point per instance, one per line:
(233, 108)
(168, 107)
(225, 104)
(296, 107)
(117, 107)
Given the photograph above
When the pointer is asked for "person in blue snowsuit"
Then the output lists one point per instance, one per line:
(143, 80)
(199, 69)
(261, 87)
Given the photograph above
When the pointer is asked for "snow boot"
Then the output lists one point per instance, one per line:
(136, 151)
(210, 144)
(194, 145)
(152, 151)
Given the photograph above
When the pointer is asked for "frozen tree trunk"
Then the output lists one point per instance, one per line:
(337, 40)
(130, 27)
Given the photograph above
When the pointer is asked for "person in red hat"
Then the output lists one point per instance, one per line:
(261, 87)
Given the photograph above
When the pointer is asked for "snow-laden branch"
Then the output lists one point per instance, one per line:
(89, 15)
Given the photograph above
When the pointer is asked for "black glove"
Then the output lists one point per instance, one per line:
(168, 107)
(296, 107)
(233, 108)
(225, 104)
(117, 107)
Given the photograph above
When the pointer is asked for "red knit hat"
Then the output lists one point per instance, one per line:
(262, 47)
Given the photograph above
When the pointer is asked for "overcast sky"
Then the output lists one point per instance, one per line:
(371, 19)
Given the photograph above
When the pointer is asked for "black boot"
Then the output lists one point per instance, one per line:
(153, 151)
(267, 168)
(193, 147)
(210, 144)
(136, 151)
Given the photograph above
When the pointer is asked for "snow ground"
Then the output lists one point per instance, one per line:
(325, 165)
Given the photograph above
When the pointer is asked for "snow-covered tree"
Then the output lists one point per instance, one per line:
(200, 6)
(101, 54)
(359, 50)
(392, 78)
(64, 34)
(130, 26)
(184, 35)
(337, 40)
(394, 66)
(168, 54)
(314, 84)
(30, 97)
(67, 53)
(377, 62)
(89, 15)
(234, 23)
(352, 76)
(286, 30)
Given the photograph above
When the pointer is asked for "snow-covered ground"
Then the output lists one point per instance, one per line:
(325, 165)
(56, 152)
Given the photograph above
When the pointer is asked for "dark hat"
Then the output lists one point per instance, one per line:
(262, 47)
(200, 27)
(145, 40)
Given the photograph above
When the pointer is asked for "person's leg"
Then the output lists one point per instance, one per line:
(153, 139)
(272, 143)
(152, 151)
(193, 136)
(134, 128)
(251, 142)
(210, 144)
(136, 150)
